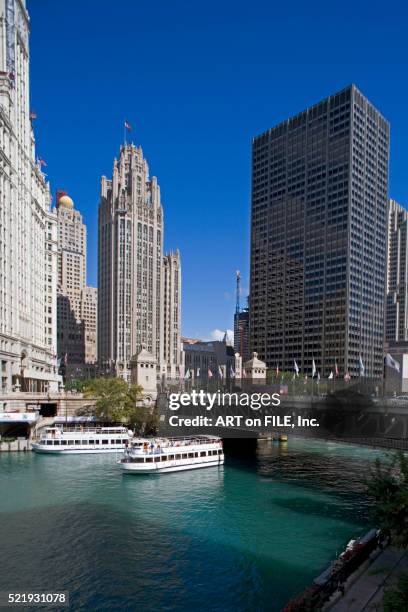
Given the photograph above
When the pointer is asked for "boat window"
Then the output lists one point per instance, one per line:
(119, 442)
(149, 459)
(184, 455)
(195, 454)
(64, 442)
(215, 452)
(156, 459)
(138, 460)
(220, 451)
(84, 441)
(203, 453)
(171, 457)
(105, 441)
(77, 442)
(49, 442)
(190, 455)
(164, 457)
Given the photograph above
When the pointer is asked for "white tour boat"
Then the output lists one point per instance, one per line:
(156, 455)
(79, 440)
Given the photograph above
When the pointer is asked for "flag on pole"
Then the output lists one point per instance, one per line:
(198, 372)
(347, 377)
(330, 375)
(313, 368)
(336, 369)
(296, 367)
(391, 363)
(243, 373)
(187, 374)
(41, 163)
(361, 366)
(128, 127)
(210, 374)
(318, 377)
(220, 372)
(277, 370)
(232, 372)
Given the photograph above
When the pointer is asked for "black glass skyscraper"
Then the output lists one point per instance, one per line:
(318, 238)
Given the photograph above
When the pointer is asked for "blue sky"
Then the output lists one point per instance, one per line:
(197, 80)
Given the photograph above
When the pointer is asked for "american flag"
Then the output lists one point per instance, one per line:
(41, 162)
(128, 126)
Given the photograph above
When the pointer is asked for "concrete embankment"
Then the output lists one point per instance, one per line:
(16, 445)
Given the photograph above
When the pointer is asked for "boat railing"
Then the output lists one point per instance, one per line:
(60, 431)
(164, 445)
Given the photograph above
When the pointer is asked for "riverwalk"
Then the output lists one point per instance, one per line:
(365, 589)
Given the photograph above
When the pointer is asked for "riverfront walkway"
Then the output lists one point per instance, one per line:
(366, 592)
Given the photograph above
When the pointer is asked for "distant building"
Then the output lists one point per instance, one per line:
(172, 314)
(396, 328)
(318, 238)
(139, 289)
(28, 235)
(77, 302)
(207, 360)
(241, 333)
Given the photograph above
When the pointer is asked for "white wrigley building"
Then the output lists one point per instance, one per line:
(28, 228)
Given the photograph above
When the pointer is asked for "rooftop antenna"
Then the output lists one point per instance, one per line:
(238, 290)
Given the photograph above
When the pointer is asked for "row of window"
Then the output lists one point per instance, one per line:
(158, 458)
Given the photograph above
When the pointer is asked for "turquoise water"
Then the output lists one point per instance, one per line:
(246, 536)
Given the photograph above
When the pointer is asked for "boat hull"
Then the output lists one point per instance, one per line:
(156, 468)
(74, 451)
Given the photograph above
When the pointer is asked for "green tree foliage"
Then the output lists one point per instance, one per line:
(75, 385)
(116, 401)
(388, 485)
(396, 598)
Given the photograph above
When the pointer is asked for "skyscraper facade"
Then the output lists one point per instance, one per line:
(76, 302)
(131, 266)
(28, 232)
(318, 238)
(241, 333)
(396, 328)
(172, 314)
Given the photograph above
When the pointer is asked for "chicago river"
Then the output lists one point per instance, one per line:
(248, 535)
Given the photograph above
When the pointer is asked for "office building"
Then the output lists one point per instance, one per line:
(77, 303)
(132, 271)
(318, 238)
(28, 232)
(396, 329)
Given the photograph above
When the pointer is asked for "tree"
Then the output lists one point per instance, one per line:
(388, 485)
(117, 401)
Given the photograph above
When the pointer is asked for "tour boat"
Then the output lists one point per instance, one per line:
(156, 455)
(81, 440)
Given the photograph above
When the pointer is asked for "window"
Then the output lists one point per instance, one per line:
(105, 441)
(164, 457)
(184, 456)
(171, 457)
(149, 459)
(48, 442)
(220, 451)
(138, 460)
(156, 459)
(203, 453)
(64, 442)
(190, 455)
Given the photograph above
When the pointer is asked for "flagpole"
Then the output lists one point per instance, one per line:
(124, 133)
